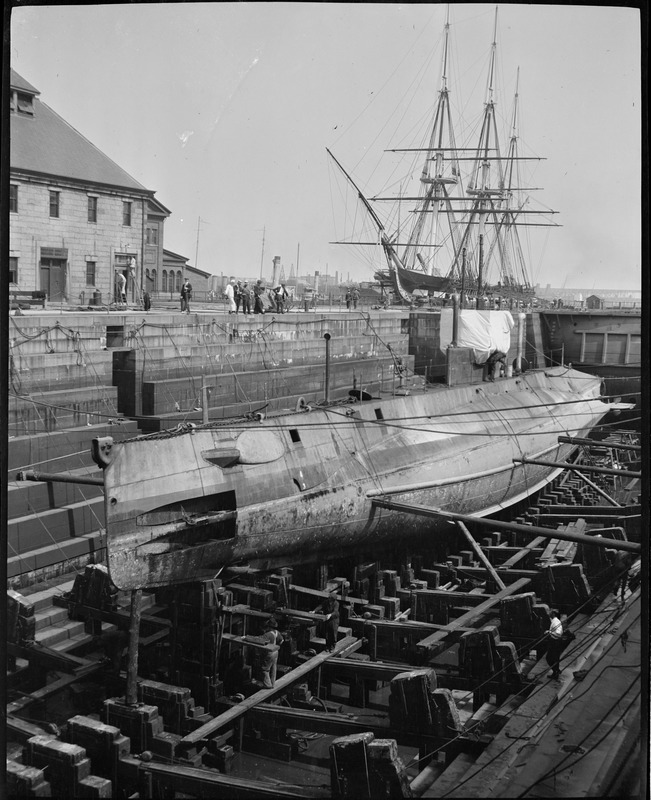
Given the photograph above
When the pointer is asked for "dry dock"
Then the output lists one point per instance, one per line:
(437, 685)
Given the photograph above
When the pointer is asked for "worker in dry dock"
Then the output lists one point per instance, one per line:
(621, 562)
(330, 607)
(555, 643)
(269, 665)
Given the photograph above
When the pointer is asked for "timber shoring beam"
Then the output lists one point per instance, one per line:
(347, 645)
(58, 477)
(596, 488)
(203, 782)
(620, 473)
(596, 443)
(334, 724)
(51, 659)
(480, 555)
(436, 638)
(496, 524)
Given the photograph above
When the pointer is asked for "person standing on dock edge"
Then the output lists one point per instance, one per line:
(555, 645)
(229, 294)
(186, 296)
(258, 306)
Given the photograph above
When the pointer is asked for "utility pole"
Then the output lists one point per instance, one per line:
(196, 252)
(262, 256)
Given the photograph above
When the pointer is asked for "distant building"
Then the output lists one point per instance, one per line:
(176, 269)
(593, 302)
(77, 219)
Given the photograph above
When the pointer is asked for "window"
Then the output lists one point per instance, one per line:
(126, 213)
(90, 273)
(164, 280)
(154, 285)
(13, 269)
(151, 235)
(54, 204)
(21, 102)
(13, 198)
(92, 209)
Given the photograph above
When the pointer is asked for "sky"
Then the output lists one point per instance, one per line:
(225, 110)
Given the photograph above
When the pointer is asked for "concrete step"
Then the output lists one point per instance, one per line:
(91, 544)
(51, 615)
(46, 450)
(34, 497)
(59, 632)
(55, 525)
(44, 412)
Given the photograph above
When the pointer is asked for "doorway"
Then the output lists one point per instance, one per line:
(53, 278)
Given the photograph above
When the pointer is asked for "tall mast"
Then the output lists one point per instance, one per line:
(433, 187)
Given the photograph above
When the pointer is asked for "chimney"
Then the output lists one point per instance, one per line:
(276, 272)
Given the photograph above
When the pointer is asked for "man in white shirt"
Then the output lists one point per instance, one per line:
(229, 291)
(555, 644)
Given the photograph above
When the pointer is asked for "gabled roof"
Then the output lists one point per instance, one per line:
(44, 143)
(16, 81)
(174, 260)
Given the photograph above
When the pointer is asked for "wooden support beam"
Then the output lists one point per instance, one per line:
(496, 524)
(131, 697)
(58, 477)
(620, 473)
(596, 488)
(52, 659)
(469, 616)
(344, 646)
(480, 554)
(206, 782)
(597, 443)
(516, 558)
(50, 689)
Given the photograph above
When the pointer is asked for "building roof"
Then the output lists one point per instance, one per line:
(176, 261)
(44, 143)
(18, 82)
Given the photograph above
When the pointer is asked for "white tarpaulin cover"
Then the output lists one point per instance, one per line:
(484, 331)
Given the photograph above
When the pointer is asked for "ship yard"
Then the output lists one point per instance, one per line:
(278, 537)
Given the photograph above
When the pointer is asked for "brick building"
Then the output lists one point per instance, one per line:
(175, 270)
(77, 219)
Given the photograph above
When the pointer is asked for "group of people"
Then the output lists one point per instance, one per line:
(352, 297)
(251, 299)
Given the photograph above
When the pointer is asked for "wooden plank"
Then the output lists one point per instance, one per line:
(523, 553)
(480, 555)
(492, 601)
(207, 782)
(346, 645)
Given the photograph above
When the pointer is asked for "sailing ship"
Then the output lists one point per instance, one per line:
(470, 201)
(311, 483)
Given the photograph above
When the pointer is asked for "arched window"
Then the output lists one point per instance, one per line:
(179, 280)
(154, 285)
(164, 281)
